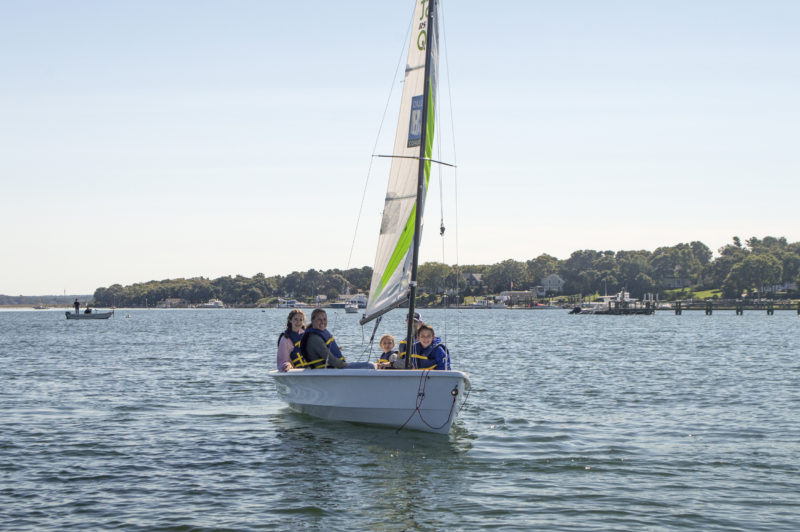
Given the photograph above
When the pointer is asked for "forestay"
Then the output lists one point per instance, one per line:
(392, 271)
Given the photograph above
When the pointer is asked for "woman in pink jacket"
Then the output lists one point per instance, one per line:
(295, 327)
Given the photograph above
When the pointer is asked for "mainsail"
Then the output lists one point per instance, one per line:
(392, 271)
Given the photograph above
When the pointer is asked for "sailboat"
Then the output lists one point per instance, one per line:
(422, 400)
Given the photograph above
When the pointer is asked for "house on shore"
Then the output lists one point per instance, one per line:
(552, 284)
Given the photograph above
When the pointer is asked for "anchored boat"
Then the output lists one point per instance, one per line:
(92, 316)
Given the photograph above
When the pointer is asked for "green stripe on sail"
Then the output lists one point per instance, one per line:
(400, 251)
(407, 236)
(429, 138)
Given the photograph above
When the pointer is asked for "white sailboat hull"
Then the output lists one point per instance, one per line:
(411, 399)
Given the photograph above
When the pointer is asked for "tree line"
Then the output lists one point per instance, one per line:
(754, 267)
(238, 290)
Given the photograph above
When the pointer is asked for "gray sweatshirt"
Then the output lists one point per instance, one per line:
(317, 349)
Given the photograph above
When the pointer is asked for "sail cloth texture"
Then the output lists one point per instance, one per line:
(392, 271)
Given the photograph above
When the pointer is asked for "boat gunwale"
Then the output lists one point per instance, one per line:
(382, 373)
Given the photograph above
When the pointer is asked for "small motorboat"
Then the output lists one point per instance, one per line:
(94, 315)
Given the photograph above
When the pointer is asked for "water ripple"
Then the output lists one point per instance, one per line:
(167, 421)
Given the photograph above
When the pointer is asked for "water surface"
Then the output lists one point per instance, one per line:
(167, 420)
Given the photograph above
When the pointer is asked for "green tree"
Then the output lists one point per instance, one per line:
(754, 272)
(500, 276)
(432, 277)
(573, 271)
(631, 265)
(701, 253)
(717, 271)
(541, 267)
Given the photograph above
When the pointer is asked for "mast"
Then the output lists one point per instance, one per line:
(412, 294)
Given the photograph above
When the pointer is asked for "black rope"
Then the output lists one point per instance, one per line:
(465, 401)
(421, 396)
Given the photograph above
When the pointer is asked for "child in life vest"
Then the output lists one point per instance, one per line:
(388, 358)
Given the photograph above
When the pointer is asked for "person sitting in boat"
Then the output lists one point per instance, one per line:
(402, 346)
(388, 358)
(88, 310)
(289, 341)
(429, 352)
(320, 350)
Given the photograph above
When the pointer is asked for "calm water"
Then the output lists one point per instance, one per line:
(167, 420)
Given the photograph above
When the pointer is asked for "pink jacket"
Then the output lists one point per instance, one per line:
(284, 349)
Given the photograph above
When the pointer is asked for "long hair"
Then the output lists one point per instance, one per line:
(292, 314)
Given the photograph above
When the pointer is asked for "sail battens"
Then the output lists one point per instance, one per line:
(397, 198)
(417, 158)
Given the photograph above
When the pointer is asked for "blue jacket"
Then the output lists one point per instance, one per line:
(435, 356)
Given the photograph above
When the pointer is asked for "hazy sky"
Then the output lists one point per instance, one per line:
(146, 140)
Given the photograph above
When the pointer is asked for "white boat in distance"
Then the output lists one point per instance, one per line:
(94, 315)
(426, 400)
(212, 303)
(351, 307)
(291, 303)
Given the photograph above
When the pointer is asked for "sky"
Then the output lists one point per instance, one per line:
(147, 140)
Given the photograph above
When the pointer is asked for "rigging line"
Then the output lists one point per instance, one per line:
(378, 135)
(372, 337)
(443, 282)
(442, 19)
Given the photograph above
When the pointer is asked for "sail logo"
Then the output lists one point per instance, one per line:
(415, 124)
(422, 36)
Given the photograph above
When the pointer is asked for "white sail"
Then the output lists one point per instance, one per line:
(392, 270)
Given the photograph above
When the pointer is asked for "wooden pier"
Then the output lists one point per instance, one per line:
(739, 306)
